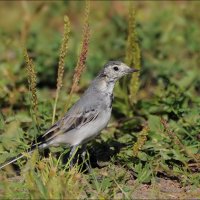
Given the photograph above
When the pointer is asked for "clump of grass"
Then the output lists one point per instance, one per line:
(32, 82)
(80, 66)
(45, 179)
(142, 137)
(133, 54)
(177, 141)
(63, 53)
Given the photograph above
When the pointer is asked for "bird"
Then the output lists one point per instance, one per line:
(87, 117)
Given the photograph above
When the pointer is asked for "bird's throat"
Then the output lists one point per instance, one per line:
(105, 85)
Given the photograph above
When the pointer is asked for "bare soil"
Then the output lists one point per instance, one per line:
(165, 189)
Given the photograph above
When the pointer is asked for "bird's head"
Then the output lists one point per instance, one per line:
(114, 70)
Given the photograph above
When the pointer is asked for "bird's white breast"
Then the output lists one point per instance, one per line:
(93, 129)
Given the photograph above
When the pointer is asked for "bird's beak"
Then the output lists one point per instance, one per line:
(131, 70)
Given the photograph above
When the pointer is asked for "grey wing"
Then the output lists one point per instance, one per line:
(72, 120)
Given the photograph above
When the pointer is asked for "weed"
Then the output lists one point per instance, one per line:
(32, 82)
(63, 53)
(142, 137)
(133, 54)
(80, 66)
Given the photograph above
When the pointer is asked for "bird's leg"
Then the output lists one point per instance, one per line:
(73, 149)
(83, 158)
(83, 152)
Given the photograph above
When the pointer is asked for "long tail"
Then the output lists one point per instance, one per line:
(12, 160)
(42, 146)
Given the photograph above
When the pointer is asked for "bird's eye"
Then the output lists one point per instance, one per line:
(116, 68)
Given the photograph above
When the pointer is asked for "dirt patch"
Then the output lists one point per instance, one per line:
(165, 189)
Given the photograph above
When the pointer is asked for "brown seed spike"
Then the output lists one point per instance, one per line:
(63, 53)
(32, 81)
(80, 66)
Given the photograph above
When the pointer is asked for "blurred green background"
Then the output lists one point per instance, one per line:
(168, 34)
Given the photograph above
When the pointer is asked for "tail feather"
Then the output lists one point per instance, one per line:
(11, 161)
(41, 146)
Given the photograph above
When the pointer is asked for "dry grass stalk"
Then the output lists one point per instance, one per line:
(29, 16)
(80, 66)
(27, 20)
(142, 137)
(63, 53)
(32, 81)
(177, 141)
(133, 54)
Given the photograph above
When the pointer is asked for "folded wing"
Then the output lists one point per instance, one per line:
(70, 122)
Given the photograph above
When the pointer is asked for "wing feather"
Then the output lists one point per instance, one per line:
(70, 122)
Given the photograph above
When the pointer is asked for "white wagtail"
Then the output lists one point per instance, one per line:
(88, 116)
